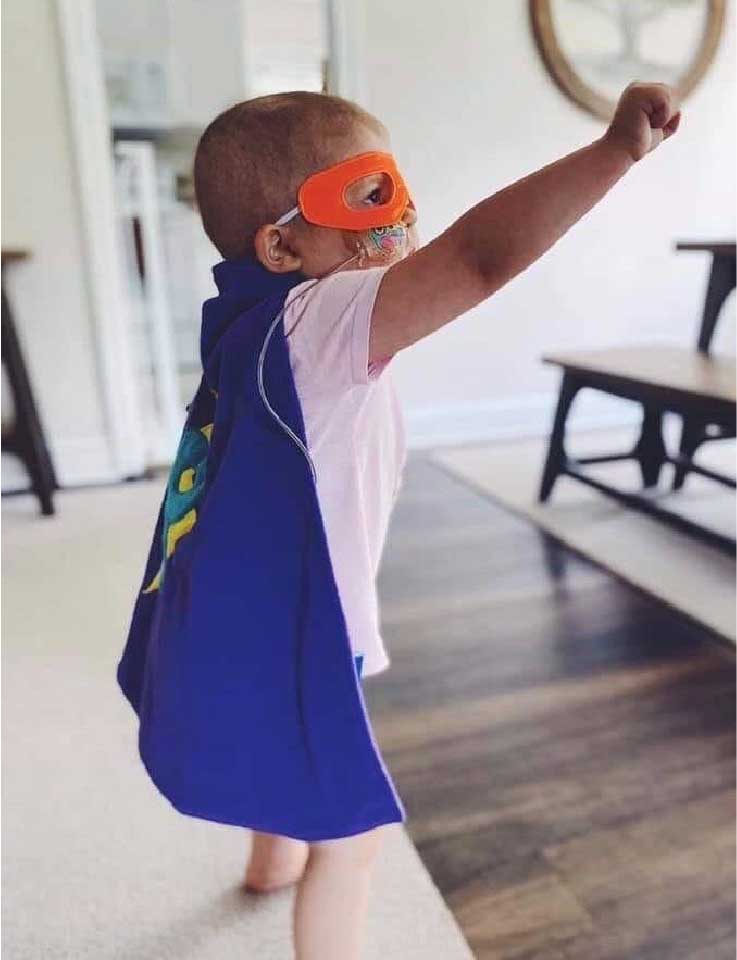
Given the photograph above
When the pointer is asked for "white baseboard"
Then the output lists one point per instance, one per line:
(529, 416)
(78, 461)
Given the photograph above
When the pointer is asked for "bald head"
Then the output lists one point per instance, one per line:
(252, 158)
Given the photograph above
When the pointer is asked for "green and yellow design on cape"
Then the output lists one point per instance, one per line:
(184, 491)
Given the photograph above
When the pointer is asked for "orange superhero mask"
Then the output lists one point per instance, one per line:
(321, 198)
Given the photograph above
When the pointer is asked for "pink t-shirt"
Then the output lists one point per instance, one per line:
(355, 436)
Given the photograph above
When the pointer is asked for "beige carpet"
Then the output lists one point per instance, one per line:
(689, 575)
(97, 864)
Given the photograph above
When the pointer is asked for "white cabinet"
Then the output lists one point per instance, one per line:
(171, 63)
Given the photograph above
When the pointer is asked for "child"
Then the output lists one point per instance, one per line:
(258, 607)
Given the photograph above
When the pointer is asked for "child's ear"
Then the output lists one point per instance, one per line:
(274, 251)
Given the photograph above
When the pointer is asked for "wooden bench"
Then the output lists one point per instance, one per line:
(695, 385)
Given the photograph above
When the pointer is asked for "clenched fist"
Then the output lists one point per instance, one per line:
(647, 114)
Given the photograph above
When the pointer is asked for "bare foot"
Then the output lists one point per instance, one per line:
(275, 862)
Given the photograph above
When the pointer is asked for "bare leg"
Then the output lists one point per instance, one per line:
(332, 897)
(275, 862)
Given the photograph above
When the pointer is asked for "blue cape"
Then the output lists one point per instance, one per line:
(238, 662)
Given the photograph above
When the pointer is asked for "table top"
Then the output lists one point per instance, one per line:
(677, 368)
(718, 248)
(12, 255)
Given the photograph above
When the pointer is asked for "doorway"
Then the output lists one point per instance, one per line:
(144, 79)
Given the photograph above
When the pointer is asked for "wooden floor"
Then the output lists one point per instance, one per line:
(564, 746)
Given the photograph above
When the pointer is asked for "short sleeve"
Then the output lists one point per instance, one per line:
(329, 326)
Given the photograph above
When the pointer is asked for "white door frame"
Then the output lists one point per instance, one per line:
(90, 130)
(345, 22)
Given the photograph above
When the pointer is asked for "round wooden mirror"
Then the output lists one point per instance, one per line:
(594, 48)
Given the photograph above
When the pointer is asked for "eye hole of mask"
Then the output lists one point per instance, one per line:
(371, 191)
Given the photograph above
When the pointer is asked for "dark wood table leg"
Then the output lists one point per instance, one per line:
(556, 459)
(720, 285)
(650, 450)
(27, 439)
(693, 434)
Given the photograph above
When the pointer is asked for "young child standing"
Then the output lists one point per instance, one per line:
(258, 611)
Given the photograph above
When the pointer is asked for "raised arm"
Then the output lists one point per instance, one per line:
(504, 234)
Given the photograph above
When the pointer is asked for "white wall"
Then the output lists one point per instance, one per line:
(40, 212)
(471, 108)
